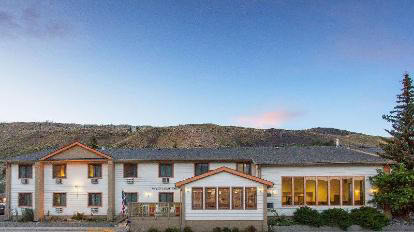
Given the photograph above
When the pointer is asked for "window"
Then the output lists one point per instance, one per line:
(237, 198)
(94, 170)
(346, 191)
(166, 170)
(270, 205)
(59, 199)
(166, 197)
(197, 198)
(211, 198)
(335, 198)
(200, 168)
(130, 170)
(59, 171)
(251, 198)
(299, 186)
(244, 167)
(25, 199)
(322, 190)
(311, 190)
(224, 198)
(287, 191)
(25, 171)
(131, 197)
(359, 193)
(95, 199)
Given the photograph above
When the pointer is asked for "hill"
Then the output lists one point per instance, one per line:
(22, 137)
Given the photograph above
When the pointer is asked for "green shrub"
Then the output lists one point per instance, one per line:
(27, 215)
(370, 218)
(226, 229)
(280, 221)
(152, 229)
(336, 217)
(79, 216)
(251, 229)
(307, 216)
(169, 229)
(187, 229)
(235, 229)
(217, 229)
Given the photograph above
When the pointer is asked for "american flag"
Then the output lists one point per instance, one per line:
(124, 203)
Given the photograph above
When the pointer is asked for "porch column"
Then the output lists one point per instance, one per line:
(182, 192)
(8, 191)
(39, 191)
(264, 208)
(111, 190)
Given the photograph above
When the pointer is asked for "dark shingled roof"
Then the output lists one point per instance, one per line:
(261, 155)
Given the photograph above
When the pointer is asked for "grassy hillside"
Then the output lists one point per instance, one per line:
(19, 137)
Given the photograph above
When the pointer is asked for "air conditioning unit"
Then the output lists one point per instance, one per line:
(24, 181)
(94, 210)
(59, 181)
(165, 180)
(94, 181)
(59, 210)
(130, 180)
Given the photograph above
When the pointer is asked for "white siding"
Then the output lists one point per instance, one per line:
(224, 180)
(148, 185)
(17, 187)
(275, 174)
(76, 197)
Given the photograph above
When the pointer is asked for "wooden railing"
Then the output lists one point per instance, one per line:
(143, 209)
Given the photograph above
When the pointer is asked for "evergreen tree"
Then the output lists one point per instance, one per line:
(93, 143)
(400, 147)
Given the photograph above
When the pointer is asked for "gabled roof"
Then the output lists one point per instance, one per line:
(65, 148)
(227, 170)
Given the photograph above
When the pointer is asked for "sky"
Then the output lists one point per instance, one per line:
(263, 64)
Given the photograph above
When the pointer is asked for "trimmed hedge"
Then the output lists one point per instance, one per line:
(370, 218)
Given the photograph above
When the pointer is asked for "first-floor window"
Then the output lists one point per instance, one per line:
(335, 189)
(311, 190)
(346, 191)
(166, 197)
(286, 190)
(211, 200)
(131, 197)
(59, 199)
(197, 198)
(359, 186)
(25, 199)
(237, 198)
(322, 190)
(224, 198)
(251, 198)
(298, 185)
(95, 199)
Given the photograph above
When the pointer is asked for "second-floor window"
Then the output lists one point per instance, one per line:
(95, 170)
(200, 168)
(59, 199)
(25, 171)
(246, 168)
(59, 171)
(166, 170)
(130, 170)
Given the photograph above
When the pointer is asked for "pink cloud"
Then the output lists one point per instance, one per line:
(267, 119)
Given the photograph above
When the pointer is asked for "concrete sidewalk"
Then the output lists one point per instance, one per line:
(57, 229)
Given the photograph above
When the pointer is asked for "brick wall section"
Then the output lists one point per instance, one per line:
(8, 190)
(39, 191)
(111, 191)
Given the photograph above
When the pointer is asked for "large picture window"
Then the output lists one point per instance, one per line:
(59, 199)
(251, 198)
(94, 170)
(166, 170)
(211, 198)
(224, 198)
(200, 168)
(130, 170)
(25, 171)
(197, 198)
(323, 191)
(59, 171)
(237, 198)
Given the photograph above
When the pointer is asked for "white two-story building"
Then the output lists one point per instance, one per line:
(231, 186)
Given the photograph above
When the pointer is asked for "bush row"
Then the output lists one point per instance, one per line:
(366, 217)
